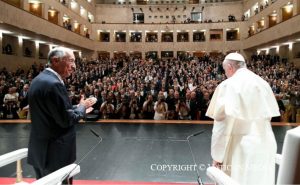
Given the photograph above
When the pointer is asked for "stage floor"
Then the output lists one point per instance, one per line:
(131, 152)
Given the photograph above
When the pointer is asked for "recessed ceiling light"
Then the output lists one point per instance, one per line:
(6, 32)
(23, 37)
(287, 43)
(40, 42)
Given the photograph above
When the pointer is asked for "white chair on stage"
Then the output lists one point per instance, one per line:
(288, 161)
(54, 178)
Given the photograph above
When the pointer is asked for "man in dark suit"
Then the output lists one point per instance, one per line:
(52, 142)
(23, 98)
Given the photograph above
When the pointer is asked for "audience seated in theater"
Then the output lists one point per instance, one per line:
(128, 88)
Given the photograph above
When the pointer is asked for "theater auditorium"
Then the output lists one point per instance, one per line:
(147, 74)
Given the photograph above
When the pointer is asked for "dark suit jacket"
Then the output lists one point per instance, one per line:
(52, 142)
(23, 99)
(140, 102)
(194, 108)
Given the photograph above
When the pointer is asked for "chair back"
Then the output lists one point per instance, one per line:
(289, 169)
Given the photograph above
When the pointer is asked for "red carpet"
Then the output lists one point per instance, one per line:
(98, 182)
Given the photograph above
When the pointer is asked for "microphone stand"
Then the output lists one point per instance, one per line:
(199, 180)
(85, 155)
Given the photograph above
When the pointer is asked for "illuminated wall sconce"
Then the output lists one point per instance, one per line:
(288, 8)
(262, 23)
(35, 5)
(52, 13)
(76, 25)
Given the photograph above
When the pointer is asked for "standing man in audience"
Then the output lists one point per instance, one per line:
(194, 106)
(52, 142)
(23, 98)
(148, 107)
(243, 144)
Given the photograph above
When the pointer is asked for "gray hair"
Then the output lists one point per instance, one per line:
(58, 52)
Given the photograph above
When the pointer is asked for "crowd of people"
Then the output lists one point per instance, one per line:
(128, 88)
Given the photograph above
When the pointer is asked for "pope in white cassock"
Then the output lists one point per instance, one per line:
(243, 144)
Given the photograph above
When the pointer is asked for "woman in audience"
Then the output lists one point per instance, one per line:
(160, 108)
(182, 109)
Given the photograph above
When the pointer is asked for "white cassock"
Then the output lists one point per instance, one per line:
(242, 107)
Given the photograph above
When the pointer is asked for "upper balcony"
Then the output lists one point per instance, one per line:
(282, 31)
(51, 28)
(162, 2)
(279, 22)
